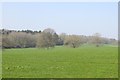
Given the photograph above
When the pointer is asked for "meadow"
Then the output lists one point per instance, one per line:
(61, 62)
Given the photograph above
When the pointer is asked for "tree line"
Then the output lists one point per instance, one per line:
(48, 38)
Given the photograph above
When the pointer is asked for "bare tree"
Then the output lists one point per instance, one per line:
(19, 39)
(6, 43)
(49, 30)
(96, 39)
(72, 41)
(46, 39)
(62, 36)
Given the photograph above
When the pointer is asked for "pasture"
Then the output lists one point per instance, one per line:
(61, 62)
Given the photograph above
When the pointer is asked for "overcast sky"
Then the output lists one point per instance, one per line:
(72, 18)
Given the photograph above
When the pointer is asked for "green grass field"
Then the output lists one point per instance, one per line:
(61, 62)
(0, 63)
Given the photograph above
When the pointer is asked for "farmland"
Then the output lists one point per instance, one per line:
(61, 62)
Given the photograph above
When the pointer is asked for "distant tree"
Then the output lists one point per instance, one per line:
(105, 40)
(96, 39)
(72, 41)
(60, 42)
(113, 41)
(56, 38)
(47, 38)
(49, 30)
(62, 36)
(30, 40)
(20, 40)
(83, 39)
(6, 43)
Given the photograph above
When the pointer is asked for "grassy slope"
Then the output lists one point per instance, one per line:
(84, 62)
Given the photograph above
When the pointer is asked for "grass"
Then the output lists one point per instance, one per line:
(61, 62)
(0, 63)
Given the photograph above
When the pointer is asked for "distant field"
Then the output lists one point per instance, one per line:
(61, 62)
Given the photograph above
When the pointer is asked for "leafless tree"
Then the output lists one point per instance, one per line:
(72, 41)
(49, 30)
(46, 39)
(96, 39)
(18, 39)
